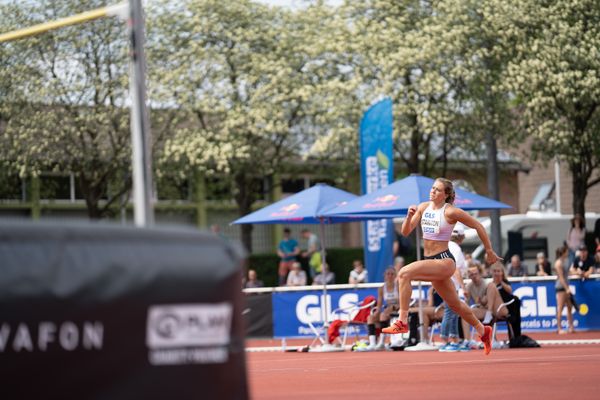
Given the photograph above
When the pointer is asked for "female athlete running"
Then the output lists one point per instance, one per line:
(437, 218)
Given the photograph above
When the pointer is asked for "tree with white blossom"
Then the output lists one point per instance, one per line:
(555, 78)
(247, 76)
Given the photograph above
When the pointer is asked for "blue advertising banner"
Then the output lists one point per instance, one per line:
(376, 170)
(538, 305)
(293, 310)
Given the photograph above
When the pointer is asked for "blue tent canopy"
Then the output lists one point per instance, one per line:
(394, 200)
(306, 207)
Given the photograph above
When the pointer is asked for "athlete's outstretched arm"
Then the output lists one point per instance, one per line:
(412, 219)
(461, 216)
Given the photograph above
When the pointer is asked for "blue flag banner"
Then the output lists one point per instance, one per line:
(376, 170)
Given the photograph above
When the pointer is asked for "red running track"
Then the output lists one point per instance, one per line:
(551, 372)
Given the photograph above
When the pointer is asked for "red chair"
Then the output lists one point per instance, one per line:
(363, 310)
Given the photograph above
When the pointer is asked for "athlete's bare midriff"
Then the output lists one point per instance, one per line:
(433, 247)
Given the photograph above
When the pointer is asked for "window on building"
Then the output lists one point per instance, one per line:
(11, 187)
(173, 188)
(218, 188)
(55, 187)
(292, 185)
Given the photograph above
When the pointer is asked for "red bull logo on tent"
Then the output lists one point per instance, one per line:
(286, 211)
(383, 201)
(461, 201)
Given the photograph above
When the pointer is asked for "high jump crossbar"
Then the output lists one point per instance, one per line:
(117, 10)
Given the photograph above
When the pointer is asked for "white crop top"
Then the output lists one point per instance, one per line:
(434, 224)
(393, 297)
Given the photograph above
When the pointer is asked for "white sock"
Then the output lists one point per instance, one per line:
(372, 340)
(381, 339)
(488, 317)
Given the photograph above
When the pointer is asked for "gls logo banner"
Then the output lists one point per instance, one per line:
(189, 333)
(292, 311)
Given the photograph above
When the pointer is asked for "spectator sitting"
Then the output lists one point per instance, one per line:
(253, 281)
(542, 265)
(484, 296)
(505, 290)
(583, 265)
(388, 301)
(470, 261)
(358, 274)
(329, 277)
(516, 267)
(297, 276)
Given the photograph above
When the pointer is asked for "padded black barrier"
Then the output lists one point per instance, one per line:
(92, 311)
(258, 315)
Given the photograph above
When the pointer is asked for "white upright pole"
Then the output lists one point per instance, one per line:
(140, 125)
(324, 308)
(325, 305)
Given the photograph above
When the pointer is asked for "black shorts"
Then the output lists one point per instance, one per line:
(560, 289)
(441, 256)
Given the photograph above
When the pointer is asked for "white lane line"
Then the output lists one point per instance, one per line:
(541, 342)
(543, 359)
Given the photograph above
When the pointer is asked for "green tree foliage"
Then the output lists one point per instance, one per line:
(247, 78)
(424, 56)
(238, 90)
(555, 76)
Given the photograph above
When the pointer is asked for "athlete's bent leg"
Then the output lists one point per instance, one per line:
(425, 270)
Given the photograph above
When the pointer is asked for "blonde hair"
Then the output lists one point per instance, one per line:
(500, 266)
(389, 269)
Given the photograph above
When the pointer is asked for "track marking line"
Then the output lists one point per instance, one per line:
(546, 359)
(541, 342)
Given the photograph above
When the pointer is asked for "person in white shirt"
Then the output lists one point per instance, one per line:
(326, 275)
(297, 276)
(358, 274)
